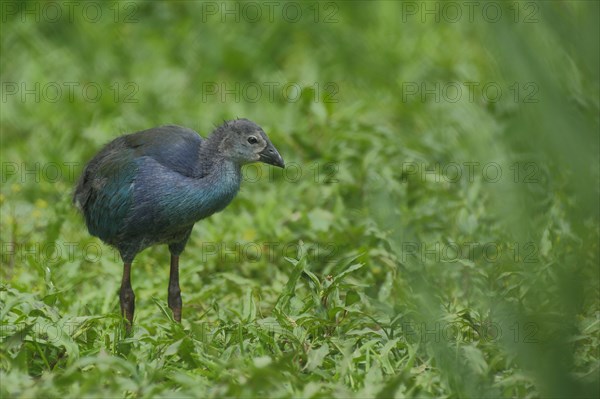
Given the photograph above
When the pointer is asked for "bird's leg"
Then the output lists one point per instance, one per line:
(127, 297)
(174, 290)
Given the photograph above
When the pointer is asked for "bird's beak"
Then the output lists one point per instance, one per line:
(271, 156)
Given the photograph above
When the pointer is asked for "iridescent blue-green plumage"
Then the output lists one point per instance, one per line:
(150, 187)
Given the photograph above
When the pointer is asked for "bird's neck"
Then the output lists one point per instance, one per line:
(215, 190)
(215, 183)
(210, 159)
(185, 203)
(225, 174)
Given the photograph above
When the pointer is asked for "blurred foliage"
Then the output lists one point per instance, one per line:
(368, 268)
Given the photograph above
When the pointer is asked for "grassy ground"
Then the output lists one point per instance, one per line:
(434, 235)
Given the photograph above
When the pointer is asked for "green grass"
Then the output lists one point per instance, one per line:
(390, 259)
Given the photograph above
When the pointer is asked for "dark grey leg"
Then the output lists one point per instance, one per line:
(127, 297)
(174, 290)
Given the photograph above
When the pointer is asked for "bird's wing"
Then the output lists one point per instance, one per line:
(174, 147)
(105, 190)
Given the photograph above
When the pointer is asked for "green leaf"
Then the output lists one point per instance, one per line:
(316, 357)
(338, 279)
(320, 219)
(545, 243)
(475, 359)
(352, 297)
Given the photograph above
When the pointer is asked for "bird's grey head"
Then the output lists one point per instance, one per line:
(245, 142)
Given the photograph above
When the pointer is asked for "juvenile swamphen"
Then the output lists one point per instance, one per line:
(150, 187)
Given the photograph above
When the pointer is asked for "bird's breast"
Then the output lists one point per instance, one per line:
(165, 201)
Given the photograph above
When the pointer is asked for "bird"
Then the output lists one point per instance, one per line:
(150, 188)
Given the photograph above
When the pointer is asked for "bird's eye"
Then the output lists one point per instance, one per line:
(252, 140)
